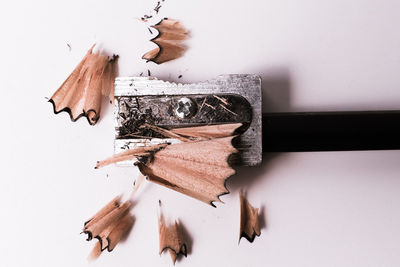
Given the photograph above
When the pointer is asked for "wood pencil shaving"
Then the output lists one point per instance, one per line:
(169, 41)
(249, 220)
(208, 132)
(81, 93)
(109, 226)
(198, 168)
(171, 238)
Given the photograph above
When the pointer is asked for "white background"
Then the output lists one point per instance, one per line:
(320, 209)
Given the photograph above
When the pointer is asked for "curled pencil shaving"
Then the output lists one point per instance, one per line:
(249, 220)
(198, 169)
(171, 238)
(169, 41)
(81, 93)
(109, 226)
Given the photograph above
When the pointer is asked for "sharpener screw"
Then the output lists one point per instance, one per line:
(185, 108)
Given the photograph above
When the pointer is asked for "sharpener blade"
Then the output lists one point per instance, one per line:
(226, 99)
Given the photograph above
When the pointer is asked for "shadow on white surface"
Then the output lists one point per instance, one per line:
(248, 177)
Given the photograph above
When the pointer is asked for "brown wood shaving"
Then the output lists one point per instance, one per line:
(81, 93)
(249, 220)
(208, 132)
(208, 105)
(198, 169)
(108, 225)
(222, 99)
(165, 132)
(171, 34)
(171, 238)
(227, 109)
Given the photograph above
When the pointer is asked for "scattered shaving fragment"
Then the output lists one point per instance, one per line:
(249, 220)
(156, 9)
(171, 238)
(81, 93)
(228, 110)
(198, 169)
(145, 18)
(109, 226)
(171, 34)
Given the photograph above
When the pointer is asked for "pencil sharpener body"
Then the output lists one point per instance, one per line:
(226, 99)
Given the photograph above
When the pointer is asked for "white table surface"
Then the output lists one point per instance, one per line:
(320, 209)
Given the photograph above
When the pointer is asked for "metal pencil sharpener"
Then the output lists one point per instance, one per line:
(226, 99)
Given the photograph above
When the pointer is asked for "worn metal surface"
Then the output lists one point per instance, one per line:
(228, 99)
(134, 111)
